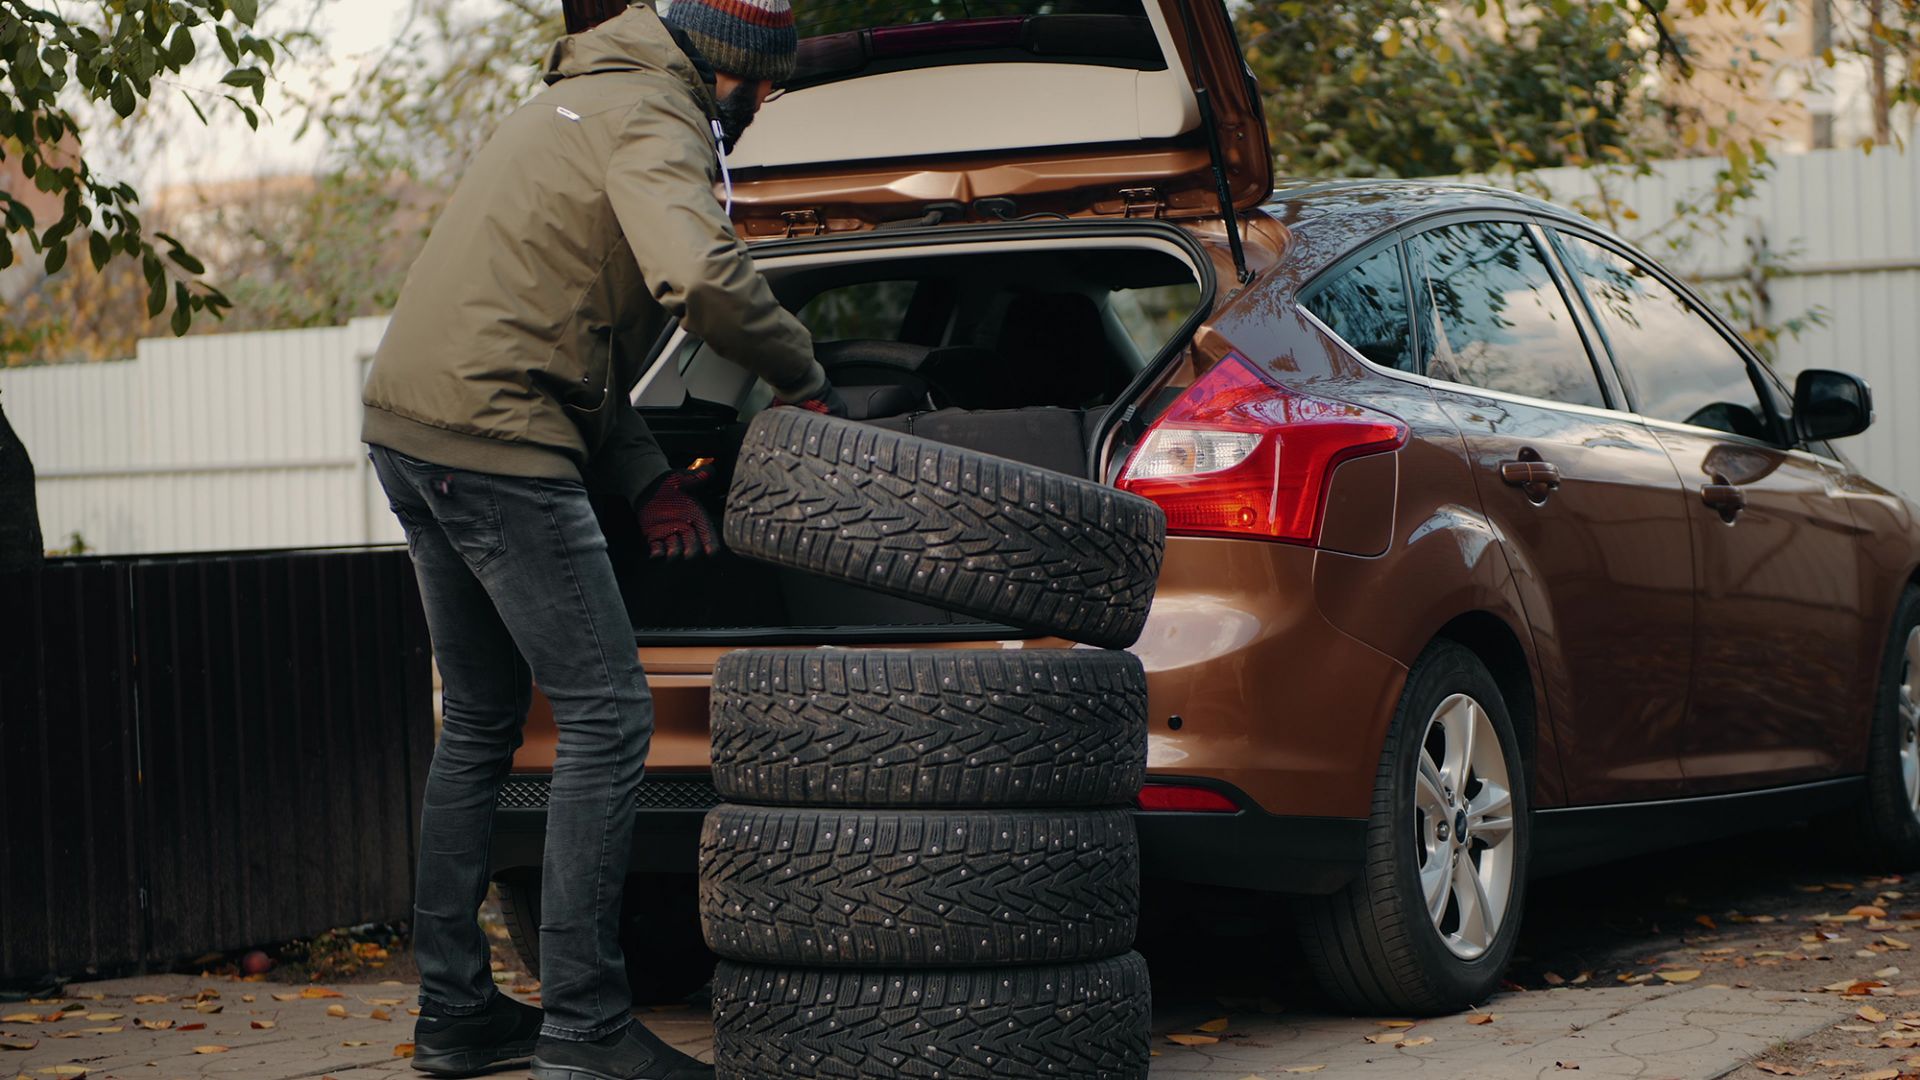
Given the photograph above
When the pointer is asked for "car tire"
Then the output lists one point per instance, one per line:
(1888, 823)
(953, 528)
(918, 888)
(1375, 946)
(929, 728)
(659, 933)
(1085, 1021)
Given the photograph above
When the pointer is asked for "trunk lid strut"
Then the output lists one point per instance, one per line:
(1209, 123)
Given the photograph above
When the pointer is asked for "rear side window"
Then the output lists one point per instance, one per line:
(870, 311)
(1367, 306)
(1681, 368)
(1491, 315)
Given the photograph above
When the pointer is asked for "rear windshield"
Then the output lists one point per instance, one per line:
(843, 39)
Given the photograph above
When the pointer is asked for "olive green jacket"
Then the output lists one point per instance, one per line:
(584, 225)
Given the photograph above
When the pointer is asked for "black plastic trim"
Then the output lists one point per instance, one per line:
(1574, 837)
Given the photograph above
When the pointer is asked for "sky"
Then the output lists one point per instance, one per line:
(353, 31)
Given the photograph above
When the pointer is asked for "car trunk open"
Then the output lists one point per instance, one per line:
(1026, 342)
(899, 109)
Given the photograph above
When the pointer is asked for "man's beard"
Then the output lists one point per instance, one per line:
(737, 111)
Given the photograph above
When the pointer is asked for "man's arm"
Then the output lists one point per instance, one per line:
(629, 461)
(660, 182)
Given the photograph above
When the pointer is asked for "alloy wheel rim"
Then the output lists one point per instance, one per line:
(1463, 824)
(1908, 705)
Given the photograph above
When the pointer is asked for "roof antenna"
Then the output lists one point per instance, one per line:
(1211, 124)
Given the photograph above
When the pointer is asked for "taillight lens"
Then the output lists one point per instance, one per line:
(1241, 455)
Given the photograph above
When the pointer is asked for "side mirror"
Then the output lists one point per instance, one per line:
(1831, 405)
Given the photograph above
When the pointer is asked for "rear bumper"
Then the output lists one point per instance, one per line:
(1250, 849)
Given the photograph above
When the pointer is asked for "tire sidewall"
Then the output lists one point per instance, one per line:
(1444, 670)
(1894, 828)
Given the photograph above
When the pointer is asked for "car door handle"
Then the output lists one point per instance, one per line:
(1536, 478)
(1726, 498)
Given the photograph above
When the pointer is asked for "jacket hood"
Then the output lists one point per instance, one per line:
(634, 41)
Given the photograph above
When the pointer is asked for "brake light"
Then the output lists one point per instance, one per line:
(1241, 455)
(1179, 798)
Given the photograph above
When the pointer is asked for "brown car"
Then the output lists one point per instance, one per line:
(1494, 549)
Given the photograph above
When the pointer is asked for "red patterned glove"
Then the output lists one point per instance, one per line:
(673, 521)
(827, 402)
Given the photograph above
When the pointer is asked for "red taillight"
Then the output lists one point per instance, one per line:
(1240, 455)
(1191, 800)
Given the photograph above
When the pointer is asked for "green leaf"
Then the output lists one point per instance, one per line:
(245, 10)
(100, 248)
(182, 312)
(56, 257)
(227, 44)
(156, 298)
(121, 97)
(244, 77)
(6, 250)
(194, 105)
(185, 259)
(180, 50)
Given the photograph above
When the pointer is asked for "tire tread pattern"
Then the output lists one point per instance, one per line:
(929, 728)
(954, 528)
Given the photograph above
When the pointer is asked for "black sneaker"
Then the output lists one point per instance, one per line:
(632, 1053)
(505, 1030)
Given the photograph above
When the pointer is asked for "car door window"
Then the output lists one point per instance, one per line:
(1490, 315)
(1680, 366)
(1367, 307)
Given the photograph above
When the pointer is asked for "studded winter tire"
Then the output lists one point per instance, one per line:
(1081, 1021)
(918, 888)
(957, 529)
(929, 728)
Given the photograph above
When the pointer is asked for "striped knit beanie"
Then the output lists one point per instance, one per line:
(750, 39)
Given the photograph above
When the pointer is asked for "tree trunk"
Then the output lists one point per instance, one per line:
(1877, 63)
(20, 545)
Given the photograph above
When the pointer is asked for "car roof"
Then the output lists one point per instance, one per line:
(1329, 218)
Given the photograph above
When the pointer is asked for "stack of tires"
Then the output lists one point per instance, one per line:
(926, 865)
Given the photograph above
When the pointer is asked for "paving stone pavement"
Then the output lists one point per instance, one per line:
(1650, 1032)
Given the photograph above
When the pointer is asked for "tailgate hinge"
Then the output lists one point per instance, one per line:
(1142, 202)
(803, 223)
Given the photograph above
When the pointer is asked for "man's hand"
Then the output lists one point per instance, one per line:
(673, 521)
(827, 402)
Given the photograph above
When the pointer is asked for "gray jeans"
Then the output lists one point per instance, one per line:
(515, 576)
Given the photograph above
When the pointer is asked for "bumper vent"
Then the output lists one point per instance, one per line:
(655, 793)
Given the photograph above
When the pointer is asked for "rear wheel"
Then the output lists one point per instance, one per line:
(1431, 921)
(659, 932)
(1891, 812)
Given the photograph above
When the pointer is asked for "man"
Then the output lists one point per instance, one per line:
(498, 397)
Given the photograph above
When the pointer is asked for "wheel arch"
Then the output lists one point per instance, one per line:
(1498, 646)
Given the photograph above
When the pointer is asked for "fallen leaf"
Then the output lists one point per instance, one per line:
(114, 1030)
(209, 1007)
(64, 1070)
(386, 1001)
(262, 1025)
(381, 1014)
(1879, 1074)
(1678, 976)
(8, 1042)
(21, 1018)
(209, 1049)
(356, 1042)
(1871, 1015)
(1421, 1041)
(1869, 911)
(1706, 921)
(1384, 1038)
(1303, 1069)
(1394, 1023)
(339, 1011)
(286, 997)
(1192, 1040)
(1552, 979)
(1777, 1069)
(313, 992)
(1855, 1028)
(192, 1027)
(1838, 1063)
(152, 999)
(403, 1050)
(1483, 1018)
(1566, 1065)
(153, 1025)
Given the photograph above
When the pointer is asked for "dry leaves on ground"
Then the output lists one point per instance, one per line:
(209, 1049)
(1483, 1018)
(1683, 976)
(1297, 1069)
(1192, 1040)
(261, 1025)
(314, 992)
(337, 1011)
(403, 1050)
(8, 1042)
(1211, 1027)
(1871, 1015)
(1777, 1069)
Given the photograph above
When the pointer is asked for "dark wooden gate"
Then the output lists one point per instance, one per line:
(200, 753)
